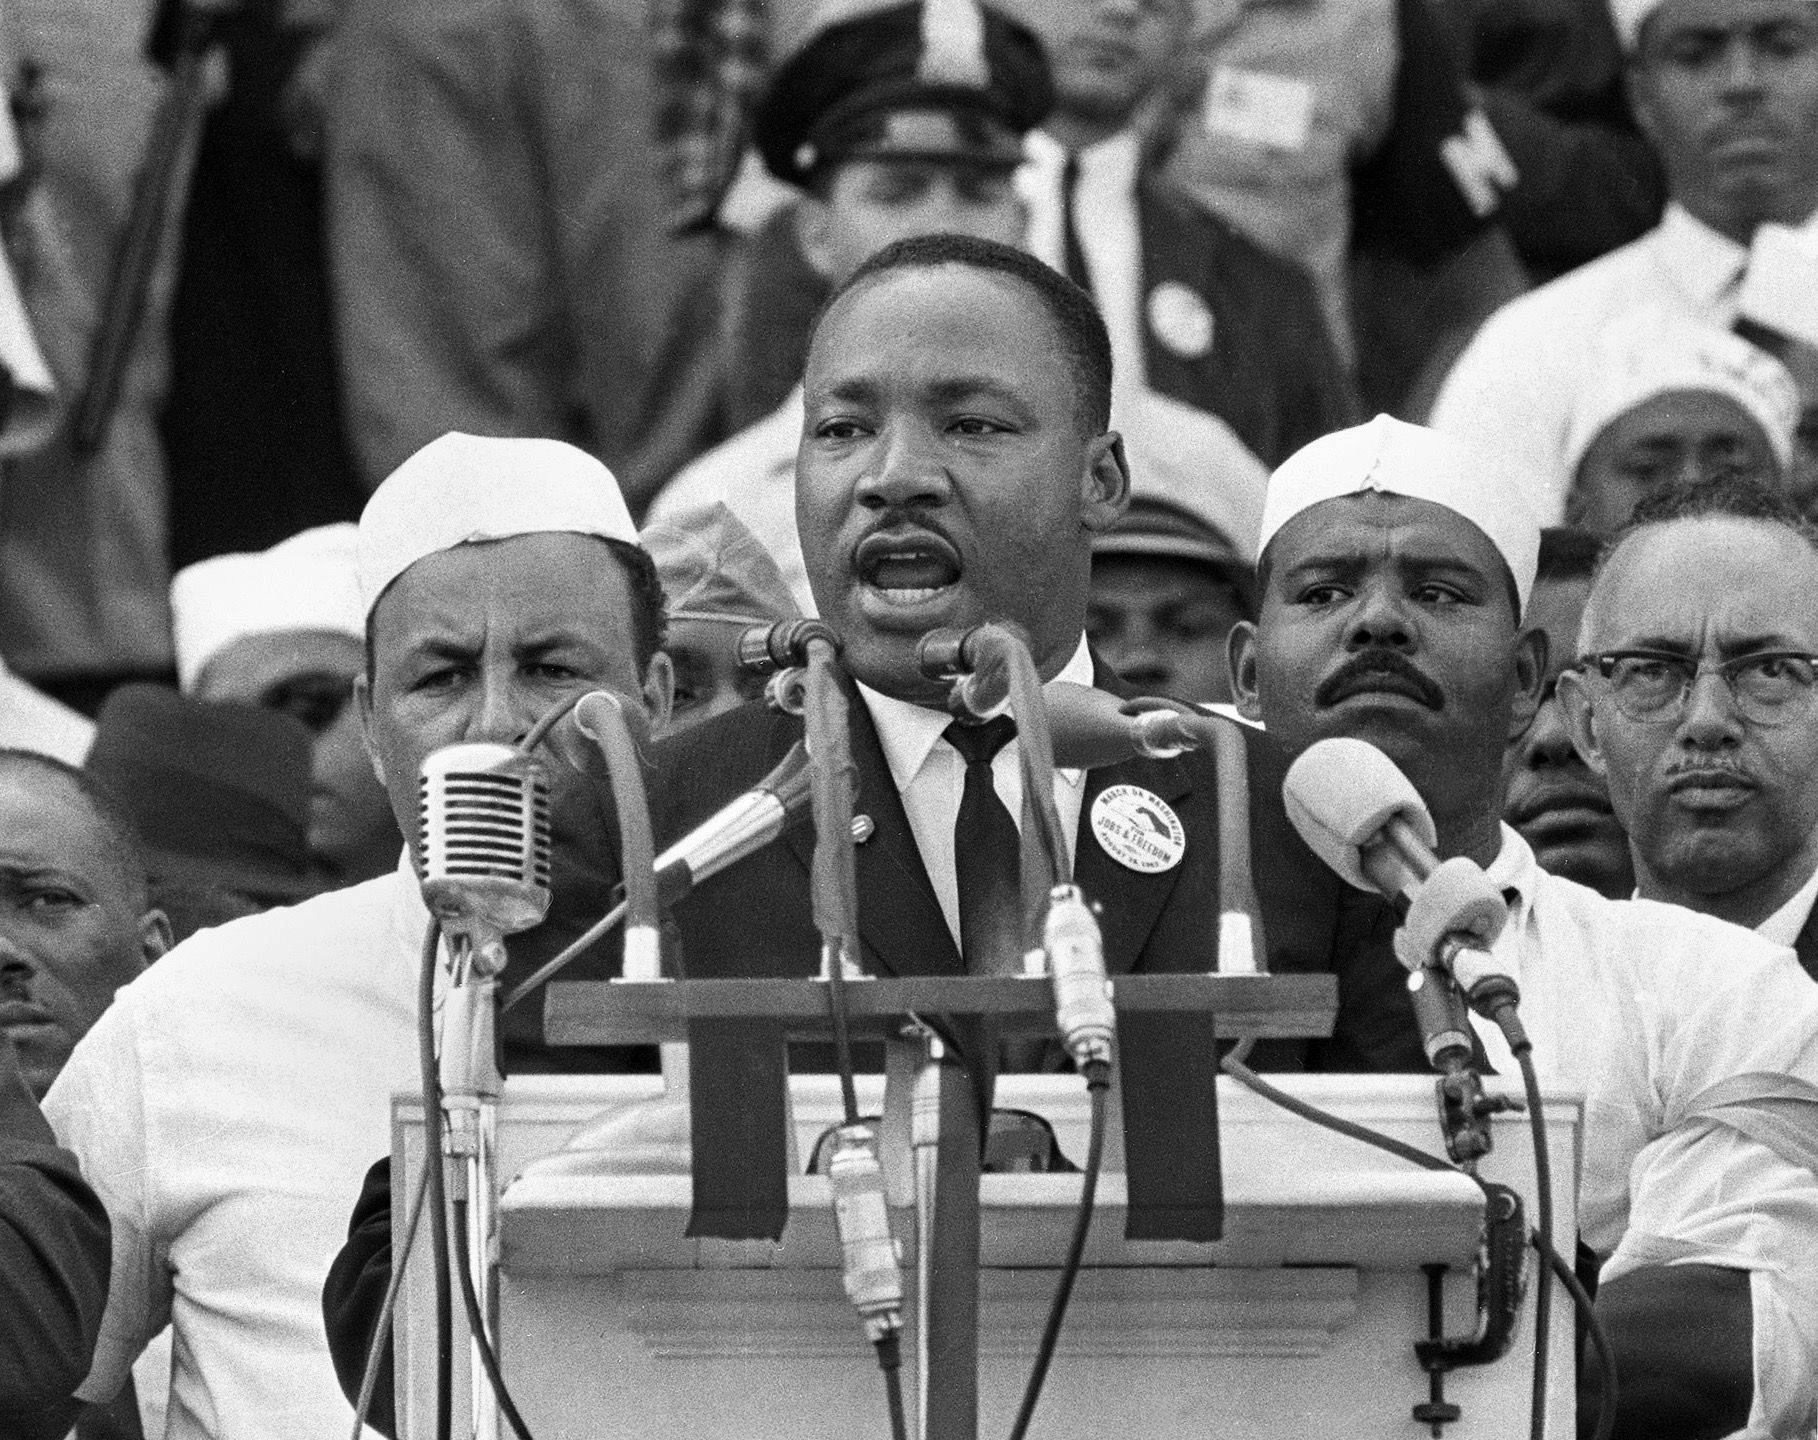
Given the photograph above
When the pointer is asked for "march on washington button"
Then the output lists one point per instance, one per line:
(1138, 829)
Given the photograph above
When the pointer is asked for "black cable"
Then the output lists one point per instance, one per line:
(381, 1330)
(1606, 1352)
(1098, 1084)
(890, 1361)
(476, 1323)
(1543, 1180)
(1233, 1065)
(432, 1160)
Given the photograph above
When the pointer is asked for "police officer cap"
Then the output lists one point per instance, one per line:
(949, 81)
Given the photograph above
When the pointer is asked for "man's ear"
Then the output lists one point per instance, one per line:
(1240, 655)
(1105, 487)
(1581, 721)
(155, 935)
(814, 233)
(363, 698)
(1530, 680)
(659, 691)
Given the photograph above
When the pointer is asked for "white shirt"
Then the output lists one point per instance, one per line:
(931, 777)
(1515, 385)
(31, 720)
(1784, 925)
(1110, 234)
(1643, 1006)
(226, 1109)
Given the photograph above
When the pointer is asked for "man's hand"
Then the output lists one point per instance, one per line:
(1684, 1342)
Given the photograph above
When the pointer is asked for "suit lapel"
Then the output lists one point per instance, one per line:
(1132, 901)
(900, 921)
(1805, 945)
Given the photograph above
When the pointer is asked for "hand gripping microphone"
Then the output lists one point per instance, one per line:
(1365, 819)
(484, 838)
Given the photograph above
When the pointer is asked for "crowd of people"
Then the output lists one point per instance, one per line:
(382, 374)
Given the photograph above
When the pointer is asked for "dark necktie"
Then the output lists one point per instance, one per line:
(1075, 252)
(986, 856)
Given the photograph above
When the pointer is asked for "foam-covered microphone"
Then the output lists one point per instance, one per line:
(484, 844)
(1092, 728)
(740, 827)
(1364, 818)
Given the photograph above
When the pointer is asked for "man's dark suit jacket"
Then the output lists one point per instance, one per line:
(54, 1249)
(753, 919)
(1272, 373)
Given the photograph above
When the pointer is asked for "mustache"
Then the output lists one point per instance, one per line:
(1360, 673)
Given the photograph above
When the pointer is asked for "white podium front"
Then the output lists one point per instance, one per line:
(1300, 1322)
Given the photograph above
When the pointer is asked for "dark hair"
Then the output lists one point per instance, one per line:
(1731, 496)
(1567, 553)
(649, 620)
(122, 834)
(1070, 309)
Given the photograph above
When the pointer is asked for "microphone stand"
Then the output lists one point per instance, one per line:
(470, 1085)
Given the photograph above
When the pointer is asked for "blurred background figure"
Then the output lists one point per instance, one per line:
(500, 264)
(1669, 402)
(76, 918)
(284, 629)
(1168, 583)
(219, 794)
(1727, 95)
(1778, 311)
(718, 582)
(1558, 803)
(1197, 311)
(31, 720)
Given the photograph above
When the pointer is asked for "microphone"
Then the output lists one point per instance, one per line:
(765, 649)
(742, 826)
(873, 1275)
(1083, 1012)
(1364, 819)
(483, 832)
(1092, 728)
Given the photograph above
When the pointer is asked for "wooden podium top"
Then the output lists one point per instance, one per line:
(645, 1012)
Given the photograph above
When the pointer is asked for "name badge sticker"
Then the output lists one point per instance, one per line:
(1138, 829)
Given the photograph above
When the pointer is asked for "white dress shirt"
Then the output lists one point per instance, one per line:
(1110, 233)
(931, 777)
(1514, 387)
(1644, 1006)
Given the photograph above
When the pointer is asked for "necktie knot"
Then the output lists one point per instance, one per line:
(979, 744)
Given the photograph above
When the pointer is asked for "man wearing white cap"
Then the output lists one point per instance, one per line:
(229, 1103)
(1727, 91)
(1669, 403)
(284, 628)
(1395, 566)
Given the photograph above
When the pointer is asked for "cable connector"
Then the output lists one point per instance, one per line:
(1083, 1011)
(873, 1275)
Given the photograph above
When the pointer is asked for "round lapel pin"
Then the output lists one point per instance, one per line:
(1138, 829)
(1181, 320)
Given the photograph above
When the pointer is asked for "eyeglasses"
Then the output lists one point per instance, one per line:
(1772, 687)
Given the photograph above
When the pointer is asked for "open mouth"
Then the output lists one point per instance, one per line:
(907, 569)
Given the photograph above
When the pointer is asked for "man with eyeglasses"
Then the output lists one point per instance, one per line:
(1696, 697)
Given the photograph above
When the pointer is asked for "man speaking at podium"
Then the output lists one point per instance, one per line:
(1395, 565)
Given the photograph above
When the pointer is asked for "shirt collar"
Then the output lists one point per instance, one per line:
(1784, 925)
(1702, 263)
(1515, 867)
(1115, 160)
(908, 732)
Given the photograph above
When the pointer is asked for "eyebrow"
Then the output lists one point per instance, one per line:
(861, 389)
(1351, 562)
